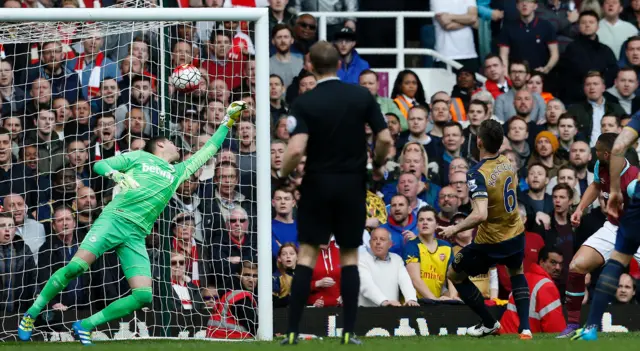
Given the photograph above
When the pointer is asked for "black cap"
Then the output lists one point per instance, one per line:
(345, 33)
(467, 70)
(191, 112)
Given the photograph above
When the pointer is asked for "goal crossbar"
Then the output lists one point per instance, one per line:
(158, 14)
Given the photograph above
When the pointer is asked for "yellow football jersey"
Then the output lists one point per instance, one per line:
(495, 180)
(433, 265)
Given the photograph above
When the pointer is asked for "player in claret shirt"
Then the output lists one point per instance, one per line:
(148, 179)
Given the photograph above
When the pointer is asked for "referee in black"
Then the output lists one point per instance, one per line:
(328, 124)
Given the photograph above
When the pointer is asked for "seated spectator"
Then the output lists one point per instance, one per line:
(213, 116)
(408, 92)
(478, 111)
(14, 126)
(183, 231)
(623, 92)
(247, 85)
(17, 271)
(234, 315)
(498, 81)
(351, 64)
(394, 123)
(452, 140)
(417, 131)
(555, 109)
(276, 98)
(283, 276)
(306, 82)
(626, 292)
(567, 131)
(12, 95)
(209, 295)
(277, 154)
(92, 56)
(278, 14)
(141, 97)
(39, 97)
(585, 54)
(247, 159)
(632, 56)
(546, 305)
(567, 175)
(86, 210)
(106, 100)
(530, 38)
(589, 113)
(383, 274)
(284, 64)
(535, 84)
(57, 251)
(77, 159)
(507, 105)
(449, 203)
(105, 144)
(423, 258)
(486, 283)
(283, 226)
(325, 280)
(134, 126)
(518, 134)
(401, 224)
(458, 181)
(546, 145)
(560, 233)
(233, 246)
(461, 93)
(440, 115)
(50, 148)
(409, 185)
(79, 127)
(304, 33)
(369, 80)
(30, 231)
(189, 121)
(226, 197)
(612, 31)
(183, 289)
(536, 199)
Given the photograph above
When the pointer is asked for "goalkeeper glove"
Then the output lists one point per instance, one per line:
(125, 181)
(234, 111)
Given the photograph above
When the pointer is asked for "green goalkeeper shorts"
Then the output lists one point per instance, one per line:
(110, 232)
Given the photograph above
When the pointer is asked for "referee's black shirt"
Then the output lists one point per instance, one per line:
(333, 114)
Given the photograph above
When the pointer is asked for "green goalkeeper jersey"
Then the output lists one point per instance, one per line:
(158, 180)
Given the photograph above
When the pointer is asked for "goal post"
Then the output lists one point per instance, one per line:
(159, 18)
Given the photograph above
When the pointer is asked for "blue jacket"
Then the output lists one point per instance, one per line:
(350, 73)
(396, 232)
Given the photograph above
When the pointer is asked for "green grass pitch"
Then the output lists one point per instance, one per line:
(607, 342)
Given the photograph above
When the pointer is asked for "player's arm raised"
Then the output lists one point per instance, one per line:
(626, 138)
(112, 166)
(211, 147)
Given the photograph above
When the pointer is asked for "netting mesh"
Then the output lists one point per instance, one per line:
(76, 93)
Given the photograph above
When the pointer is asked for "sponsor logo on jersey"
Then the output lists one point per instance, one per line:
(442, 257)
(471, 183)
(157, 170)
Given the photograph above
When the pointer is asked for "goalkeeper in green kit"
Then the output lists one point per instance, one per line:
(148, 180)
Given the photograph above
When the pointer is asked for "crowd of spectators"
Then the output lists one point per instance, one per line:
(560, 75)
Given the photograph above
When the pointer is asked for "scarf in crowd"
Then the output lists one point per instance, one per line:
(98, 149)
(182, 291)
(192, 259)
(94, 78)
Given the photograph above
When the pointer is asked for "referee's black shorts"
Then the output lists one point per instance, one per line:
(332, 204)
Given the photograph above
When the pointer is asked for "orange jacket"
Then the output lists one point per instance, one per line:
(545, 311)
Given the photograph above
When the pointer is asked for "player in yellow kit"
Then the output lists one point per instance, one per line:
(500, 237)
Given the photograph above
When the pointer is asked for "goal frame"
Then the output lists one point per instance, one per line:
(263, 178)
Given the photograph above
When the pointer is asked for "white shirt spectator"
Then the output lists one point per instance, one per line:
(598, 113)
(614, 35)
(380, 279)
(454, 44)
(33, 234)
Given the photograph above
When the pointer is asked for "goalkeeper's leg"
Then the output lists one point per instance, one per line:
(59, 280)
(137, 269)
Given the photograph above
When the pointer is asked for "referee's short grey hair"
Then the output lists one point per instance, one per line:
(485, 96)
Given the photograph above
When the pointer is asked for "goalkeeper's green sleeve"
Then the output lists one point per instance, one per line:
(117, 163)
(208, 150)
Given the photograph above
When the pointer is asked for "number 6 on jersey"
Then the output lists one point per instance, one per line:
(509, 196)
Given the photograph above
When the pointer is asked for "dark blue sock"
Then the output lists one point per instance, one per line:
(520, 291)
(605, 291)
(471, 296)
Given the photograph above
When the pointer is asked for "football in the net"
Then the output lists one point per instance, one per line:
(185, 78)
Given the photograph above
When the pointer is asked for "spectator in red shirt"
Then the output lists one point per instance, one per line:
(219, 65)
(325, 281)
(497, 82)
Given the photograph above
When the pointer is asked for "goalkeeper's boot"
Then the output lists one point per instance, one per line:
(588, 333)
(569, 331)
(25, 328)
(82, 334)
(290, 339)
(480, 331)
(350, 339)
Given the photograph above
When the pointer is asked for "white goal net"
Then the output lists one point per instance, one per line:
(85, 88)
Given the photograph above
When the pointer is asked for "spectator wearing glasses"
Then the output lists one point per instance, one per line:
(449, 203)
(209, 295)
(304, 33)
(458, 181)
(183, 290)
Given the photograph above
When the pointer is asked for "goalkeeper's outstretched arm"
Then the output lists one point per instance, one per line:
(213, 145)
(112, 166)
